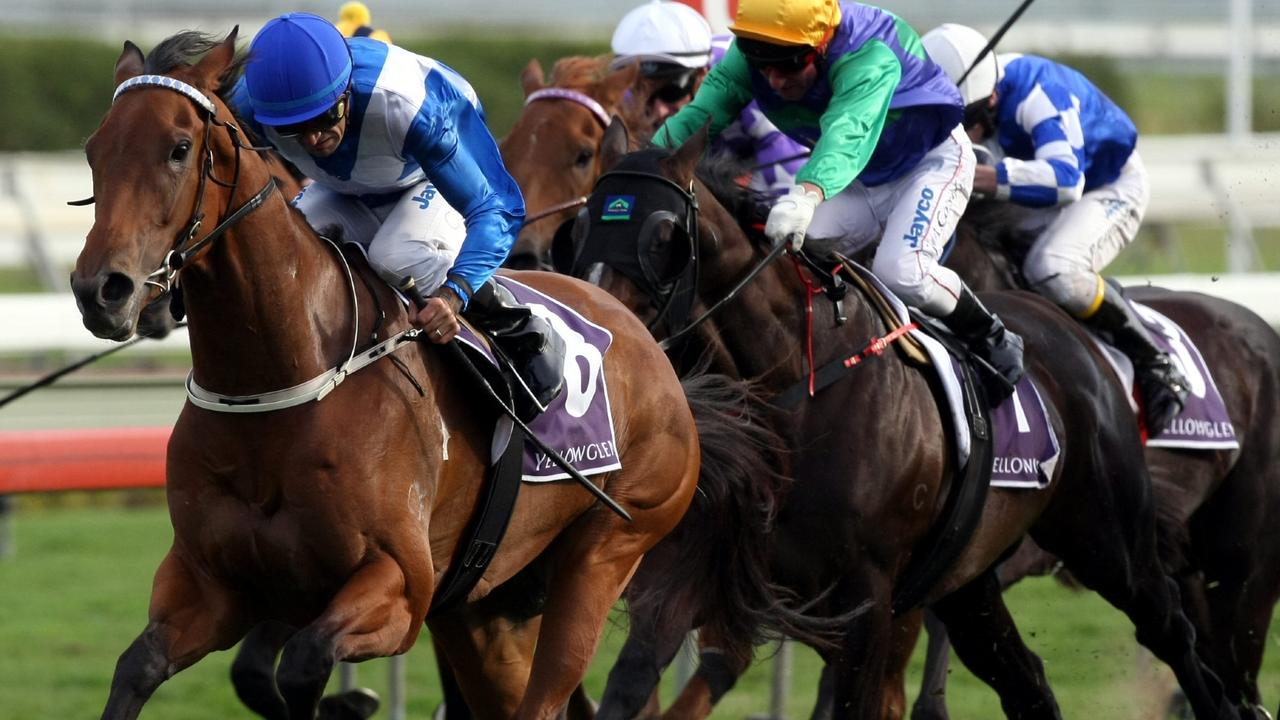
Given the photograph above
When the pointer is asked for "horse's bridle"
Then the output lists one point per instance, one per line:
(185, 246)
(664, 295)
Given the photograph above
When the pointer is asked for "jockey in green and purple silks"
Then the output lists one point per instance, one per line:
(891, 162)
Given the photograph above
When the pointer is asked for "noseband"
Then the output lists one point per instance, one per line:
(185, 246)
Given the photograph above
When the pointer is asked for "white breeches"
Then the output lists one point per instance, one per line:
(415, 234)
(913, 218)
(1075, 242)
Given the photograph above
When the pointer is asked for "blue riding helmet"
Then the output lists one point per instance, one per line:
(299, 66)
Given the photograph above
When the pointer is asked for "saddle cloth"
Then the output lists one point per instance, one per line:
(1203, 423)
(1024, 446)
(579, 422)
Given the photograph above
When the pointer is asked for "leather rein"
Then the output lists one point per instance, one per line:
(186, 247)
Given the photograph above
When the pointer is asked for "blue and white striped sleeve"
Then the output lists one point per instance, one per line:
(1051, 116)
(455, 149)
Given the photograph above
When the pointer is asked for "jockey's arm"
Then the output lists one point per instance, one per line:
(460, 156)
(862, 84)
(725, 91)
(1055, 176)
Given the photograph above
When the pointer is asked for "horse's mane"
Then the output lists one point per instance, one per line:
(723, 173)
(183, 48)
(579, 70)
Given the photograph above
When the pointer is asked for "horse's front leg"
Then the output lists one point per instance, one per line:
(373, 615)
(188, 620)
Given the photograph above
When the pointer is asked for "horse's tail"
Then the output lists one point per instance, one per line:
(713, 569)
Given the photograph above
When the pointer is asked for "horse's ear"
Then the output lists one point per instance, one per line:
(215, 62)
(130, 62)
(609, 91)
(531, 78)
(684, 160)
(614, 144)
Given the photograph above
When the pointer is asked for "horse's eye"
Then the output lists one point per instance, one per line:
(584, 157)
(180, 151)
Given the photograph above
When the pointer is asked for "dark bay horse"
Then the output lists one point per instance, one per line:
(871, 456)
(1217, 503)
(552, 151)
(307, 515)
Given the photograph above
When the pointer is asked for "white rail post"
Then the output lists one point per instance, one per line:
(1240, 72)
(396, 688)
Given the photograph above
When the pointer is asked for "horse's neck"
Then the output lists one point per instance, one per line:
(269, 303)
(767, 332)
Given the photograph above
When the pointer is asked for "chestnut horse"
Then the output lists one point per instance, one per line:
(305, 515)
(860, 507)
(552, 151)
(1215, 503)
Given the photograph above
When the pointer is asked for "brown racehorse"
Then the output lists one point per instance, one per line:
(871, 453)
(307, 515)
(1216, 503)
(552, 150)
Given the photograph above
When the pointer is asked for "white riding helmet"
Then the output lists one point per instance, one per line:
(664, 32)
(953, 48)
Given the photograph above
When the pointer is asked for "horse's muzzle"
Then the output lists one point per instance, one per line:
(106, 303)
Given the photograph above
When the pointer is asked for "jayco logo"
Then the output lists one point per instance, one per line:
(618, 207)
(921, 221)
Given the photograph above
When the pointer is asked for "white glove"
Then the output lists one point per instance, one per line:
(790, 216)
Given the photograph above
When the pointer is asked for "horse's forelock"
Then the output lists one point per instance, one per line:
(578, 70)
(182, 49)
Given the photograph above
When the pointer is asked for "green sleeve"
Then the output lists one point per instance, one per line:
(862, 86)
(725, 91)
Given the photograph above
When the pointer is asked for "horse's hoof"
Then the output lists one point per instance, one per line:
(357, 704)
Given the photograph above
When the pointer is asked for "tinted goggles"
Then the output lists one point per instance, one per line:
(785, 65)
(674, 92)
(321, 122)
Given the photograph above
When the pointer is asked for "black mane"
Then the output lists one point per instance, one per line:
(183, 49)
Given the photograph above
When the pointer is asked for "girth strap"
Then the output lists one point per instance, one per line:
(934, 555)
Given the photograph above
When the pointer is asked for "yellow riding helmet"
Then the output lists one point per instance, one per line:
(787, 22)
(352, 16)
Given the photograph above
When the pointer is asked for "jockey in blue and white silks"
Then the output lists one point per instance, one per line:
(1062, 148)
(891, 163)
(405, 114)
(402, 162)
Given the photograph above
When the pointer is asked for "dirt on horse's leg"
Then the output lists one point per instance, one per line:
(932, 703)
(370, 616)
(987, 642)
(188, 620)
(253, 672)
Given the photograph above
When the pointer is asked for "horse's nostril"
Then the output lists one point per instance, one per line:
(117, 288)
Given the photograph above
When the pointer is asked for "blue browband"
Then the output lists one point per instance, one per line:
(165, 81)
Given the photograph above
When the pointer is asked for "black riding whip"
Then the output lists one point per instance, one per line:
(53, 377)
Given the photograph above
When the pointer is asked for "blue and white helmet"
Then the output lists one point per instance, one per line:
(299, 66)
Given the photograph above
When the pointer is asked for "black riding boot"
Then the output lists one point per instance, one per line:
(990, 340)
(1163, 386)
(535, 350)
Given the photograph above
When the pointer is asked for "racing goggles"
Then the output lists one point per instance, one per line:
(786, 59)
(319, 123)
(678, 79)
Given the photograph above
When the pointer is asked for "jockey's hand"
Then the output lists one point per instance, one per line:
(791, 214)
(984, 181)
(439, 317)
